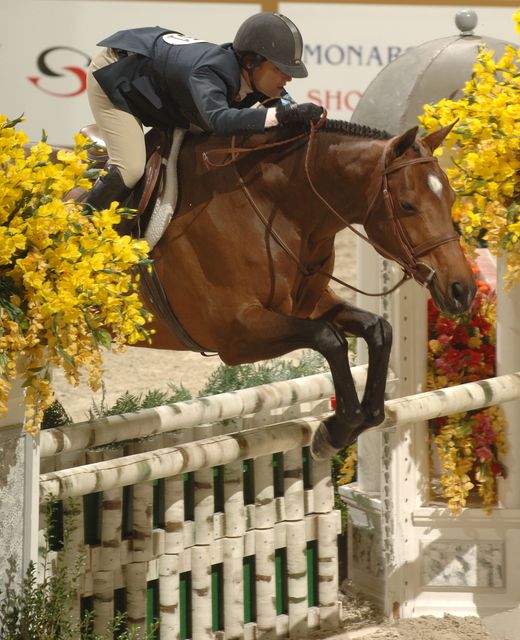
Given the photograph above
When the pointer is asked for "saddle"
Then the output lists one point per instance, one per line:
(152, 214)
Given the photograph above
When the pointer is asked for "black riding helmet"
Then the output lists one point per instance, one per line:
(275, 38)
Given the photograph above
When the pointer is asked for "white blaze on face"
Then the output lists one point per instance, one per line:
(435, 184)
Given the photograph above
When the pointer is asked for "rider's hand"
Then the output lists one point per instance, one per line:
(303, 113)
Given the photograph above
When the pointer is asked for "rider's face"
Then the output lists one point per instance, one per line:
(269, 80)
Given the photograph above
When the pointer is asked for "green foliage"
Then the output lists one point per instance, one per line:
(130, 402)
(35, 611)
(42, 609)
(336, 463)
(243, 376)
(55, 416)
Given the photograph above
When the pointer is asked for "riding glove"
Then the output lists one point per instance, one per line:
(293, 113)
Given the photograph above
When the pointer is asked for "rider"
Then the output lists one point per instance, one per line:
(157, 77)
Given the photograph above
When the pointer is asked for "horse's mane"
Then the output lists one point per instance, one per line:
(334, 126)
(354, 129)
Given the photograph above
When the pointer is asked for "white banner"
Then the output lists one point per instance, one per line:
(347, 45)
(45, 47)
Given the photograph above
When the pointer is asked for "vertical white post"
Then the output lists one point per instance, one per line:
(508, 361)
(19, 499)
(297, 578)
(407, 467)
(369, 279)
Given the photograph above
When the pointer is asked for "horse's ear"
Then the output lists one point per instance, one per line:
(435, 139)
(404, 142)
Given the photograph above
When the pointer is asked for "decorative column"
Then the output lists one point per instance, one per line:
(508, 361)
(370, 279)
(19, 505)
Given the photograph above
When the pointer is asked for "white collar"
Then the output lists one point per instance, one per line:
(245, 87)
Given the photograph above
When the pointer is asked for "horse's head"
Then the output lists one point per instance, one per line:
(409, 219)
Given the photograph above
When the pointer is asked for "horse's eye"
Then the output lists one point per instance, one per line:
(407, 206)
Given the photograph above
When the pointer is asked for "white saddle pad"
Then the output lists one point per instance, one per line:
(166, 202)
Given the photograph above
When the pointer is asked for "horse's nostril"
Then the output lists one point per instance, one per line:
(458, 291)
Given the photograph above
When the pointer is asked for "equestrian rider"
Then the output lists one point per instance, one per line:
(157, 77)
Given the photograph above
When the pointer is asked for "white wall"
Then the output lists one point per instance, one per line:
(70, 29)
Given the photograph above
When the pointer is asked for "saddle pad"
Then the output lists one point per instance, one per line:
(165, 205)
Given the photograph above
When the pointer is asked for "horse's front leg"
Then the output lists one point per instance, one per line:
(259, 334)
(377, 333)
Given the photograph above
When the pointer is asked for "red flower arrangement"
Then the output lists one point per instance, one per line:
(468, 445)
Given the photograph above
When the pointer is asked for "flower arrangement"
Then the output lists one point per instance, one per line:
(469, 444)
(66, 281)
(484, 147)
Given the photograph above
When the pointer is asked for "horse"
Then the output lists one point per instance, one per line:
(246, 262)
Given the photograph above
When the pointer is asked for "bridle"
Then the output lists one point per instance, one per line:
(409, 260)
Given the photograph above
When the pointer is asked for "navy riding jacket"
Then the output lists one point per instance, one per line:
(169, 80)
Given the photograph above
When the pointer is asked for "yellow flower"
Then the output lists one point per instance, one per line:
(67, 276)
(485, 150)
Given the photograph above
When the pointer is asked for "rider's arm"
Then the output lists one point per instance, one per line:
(210, 95)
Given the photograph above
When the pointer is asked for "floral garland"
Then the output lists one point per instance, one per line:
(484, 147)
(66, 281)
(460, 350)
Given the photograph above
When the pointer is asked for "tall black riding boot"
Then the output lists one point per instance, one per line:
(106, 189)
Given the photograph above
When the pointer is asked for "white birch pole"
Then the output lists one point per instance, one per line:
(103, 589)
(234, 500)
(192, 413)
(201, 591)
(265, 584)
(322, 487)
(297, 578)
(174, 514)
(112, 508)
(262, 441)
(265, 515)
(204, 507)
(142, 525)
(169, 596)
(293, 484)
(172, 461)
(136, 593)
(233, 549)
(328, 570)
(74, 548)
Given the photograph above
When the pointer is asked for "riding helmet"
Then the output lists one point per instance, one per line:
(274, 37)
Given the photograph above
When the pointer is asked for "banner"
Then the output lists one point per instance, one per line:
(347, 45)
(46, 45)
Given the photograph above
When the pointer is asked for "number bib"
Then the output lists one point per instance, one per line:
(179, 38)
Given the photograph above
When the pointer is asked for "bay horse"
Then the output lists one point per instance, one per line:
(245, 263)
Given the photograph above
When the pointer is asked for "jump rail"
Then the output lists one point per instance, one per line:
(192, 413)
(265, 440)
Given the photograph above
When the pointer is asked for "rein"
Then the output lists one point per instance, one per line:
(410, 264)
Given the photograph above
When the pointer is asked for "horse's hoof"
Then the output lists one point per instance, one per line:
(321, 448)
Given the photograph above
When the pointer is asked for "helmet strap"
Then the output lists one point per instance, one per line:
(249, 62)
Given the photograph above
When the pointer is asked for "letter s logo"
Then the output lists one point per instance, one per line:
(77, 74)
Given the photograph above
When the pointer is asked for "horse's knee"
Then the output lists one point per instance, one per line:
(329, 340)
(378, 332)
